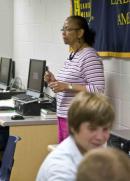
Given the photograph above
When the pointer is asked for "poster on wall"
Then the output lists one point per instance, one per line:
(110, 19)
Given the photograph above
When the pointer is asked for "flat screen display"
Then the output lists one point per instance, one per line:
(36, 72)
(5, 68)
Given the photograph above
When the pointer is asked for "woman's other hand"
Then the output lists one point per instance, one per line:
(58, 86)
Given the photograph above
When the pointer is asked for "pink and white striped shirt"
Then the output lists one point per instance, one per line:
(85, 68)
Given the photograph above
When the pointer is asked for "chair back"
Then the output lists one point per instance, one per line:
(8, 158)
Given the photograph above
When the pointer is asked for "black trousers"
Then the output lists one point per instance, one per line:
(4, 134)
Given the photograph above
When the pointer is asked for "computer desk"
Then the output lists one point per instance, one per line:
(31, 150)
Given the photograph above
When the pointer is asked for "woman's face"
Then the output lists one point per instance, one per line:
(70, 32)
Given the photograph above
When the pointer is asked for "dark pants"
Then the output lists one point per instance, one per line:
(4, 134)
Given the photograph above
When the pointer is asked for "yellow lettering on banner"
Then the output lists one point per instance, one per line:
(85, 10)
(119, 1)
(89, 5)
(128, 17)
(115, 2)
(77, 7)
(125, 1)
(123, 19)
(85, 14)
(85, 5)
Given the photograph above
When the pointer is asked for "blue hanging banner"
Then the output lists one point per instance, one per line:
(110, 19)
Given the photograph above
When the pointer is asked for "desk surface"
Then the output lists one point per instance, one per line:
(29, 120)
(5, 117)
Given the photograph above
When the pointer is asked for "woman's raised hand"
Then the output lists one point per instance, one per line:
(49, 77)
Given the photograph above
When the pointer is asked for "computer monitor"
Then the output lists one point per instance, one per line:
(5, 72)
(35, 77)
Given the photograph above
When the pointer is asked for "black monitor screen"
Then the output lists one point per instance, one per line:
(36, 72)
(5, 68)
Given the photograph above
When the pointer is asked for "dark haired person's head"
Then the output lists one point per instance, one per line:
(90, 118)
(79, 23)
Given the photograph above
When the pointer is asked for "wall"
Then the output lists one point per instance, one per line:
(6, 28)
(117, 76)
(37, 25)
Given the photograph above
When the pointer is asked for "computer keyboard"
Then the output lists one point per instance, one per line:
(25, 98)
(6, 108)
(18, 96)
(8, 94)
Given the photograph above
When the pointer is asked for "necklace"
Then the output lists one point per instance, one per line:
(72, 54)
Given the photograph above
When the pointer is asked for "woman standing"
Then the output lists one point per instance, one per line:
(83, 70)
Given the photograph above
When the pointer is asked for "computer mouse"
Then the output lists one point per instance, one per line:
(17, 117)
